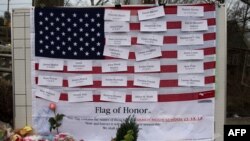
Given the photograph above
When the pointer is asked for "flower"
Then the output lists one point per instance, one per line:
(52, 106)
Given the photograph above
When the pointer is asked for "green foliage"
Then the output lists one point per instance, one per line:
(56, 122)
(128, 130)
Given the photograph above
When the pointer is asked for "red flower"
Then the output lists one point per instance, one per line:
(52, 106)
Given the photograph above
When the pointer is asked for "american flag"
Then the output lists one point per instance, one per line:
(78, 33)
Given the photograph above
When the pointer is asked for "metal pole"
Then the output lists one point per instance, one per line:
(8, 6)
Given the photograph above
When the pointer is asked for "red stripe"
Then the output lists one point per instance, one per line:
(163, 83)
(168, 9)
(164, 69)
(161, 97)
(171, 25)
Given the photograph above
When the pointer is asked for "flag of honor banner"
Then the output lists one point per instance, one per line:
(100, 65)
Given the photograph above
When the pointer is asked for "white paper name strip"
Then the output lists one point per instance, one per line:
(117, 15)
(116, 27)
(150, 39)
(114, 80)
(190, 39)
(80, 96)
(147, 66)
(144, 96)
(190, 67)
(81, 80)
(51, 64)
(80, 65)
(118, 40)
(114, 66)
(151, 13)
(192, 11)
(116, 52)
(196, 25)
(191, 80)
(113, 96)
(153, 26)
(50, 80)
(190, 54)
(48, 94)
(147, 52)
(146, 81)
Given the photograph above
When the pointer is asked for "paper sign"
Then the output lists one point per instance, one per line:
(51, 64)
(192, 11)
(147, 52)
(190, 67)
(151, 13)
(80, 65)
(114, 66)
(113, 96)
(195, 25)
(114, 80)
(117, 15)
(146, 81)
(190, 39)
(116, 27)
(80, 96)
(191, 80)
(116, 52)
(50, 80)
(120, 40)
(48, 94)
(148, 66)
(190, 54)
(153, 26)
(150, 39)
(80, 80)
(144, 96)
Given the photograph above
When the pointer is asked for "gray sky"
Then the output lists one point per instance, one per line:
(14, 4)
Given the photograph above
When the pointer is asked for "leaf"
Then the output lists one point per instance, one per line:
(59, 117)
(52, 121)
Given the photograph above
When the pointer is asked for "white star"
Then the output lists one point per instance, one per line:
(74, 15)
(57, 38)
(98, 43)
(98, 15)
(92, 20)
(98, 34)
(92, 29)
(57, 19)
(75, 25)
(46, 18)
(57, 28)
(51, 14)
(98, 24)
(75, 34)
(69, 39)
(81, 30)
(63, 34)
(68, 19)
(52, 52)
(81, 39)
(41, 41)
(86, 25)
(80, 19)
(86, 53)
(75, 44)
(40, 13)
(75, 53)
(52, 24)
(81, 48)
(63, 52)
(41, 23)
(98, 53)
(47, 47)
(86, 34)
(69, 29)
(69, 48)
(41, 51)
(63, 43)
(92, 39)
(52, 43)
(46, 28)
(93, 49)
(62, 14)
(58, 48)
(52, 33)
(63, 24)
(46, 37)
(86, 44)
(41, 32)
(86, 15)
